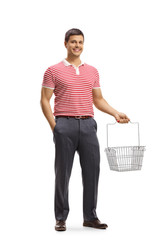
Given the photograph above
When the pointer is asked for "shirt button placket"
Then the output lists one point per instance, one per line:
(77, 70)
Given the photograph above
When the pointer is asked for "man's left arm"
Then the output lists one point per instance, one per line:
(101, 104)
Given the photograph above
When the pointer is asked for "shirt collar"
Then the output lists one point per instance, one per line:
(66, 63)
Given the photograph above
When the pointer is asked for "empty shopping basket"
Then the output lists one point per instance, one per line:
(125, 158)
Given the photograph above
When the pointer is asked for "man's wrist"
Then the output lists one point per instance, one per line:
(115, 114)
(53, 126)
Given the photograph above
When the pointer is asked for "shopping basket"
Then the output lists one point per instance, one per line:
(125, 158)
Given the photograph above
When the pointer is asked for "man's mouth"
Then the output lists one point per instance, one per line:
(76, 50)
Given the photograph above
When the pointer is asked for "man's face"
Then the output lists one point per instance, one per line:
(75, 45)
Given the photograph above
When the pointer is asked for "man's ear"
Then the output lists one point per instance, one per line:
(65, 44)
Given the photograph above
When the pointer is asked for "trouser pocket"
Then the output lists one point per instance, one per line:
(95, 123)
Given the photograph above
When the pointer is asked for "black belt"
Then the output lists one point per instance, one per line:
(77, 117)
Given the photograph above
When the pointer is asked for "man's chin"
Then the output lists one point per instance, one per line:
(77, 54)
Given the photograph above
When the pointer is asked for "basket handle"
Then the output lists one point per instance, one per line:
(130, 122)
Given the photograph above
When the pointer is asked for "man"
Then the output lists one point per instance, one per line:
(76, 87)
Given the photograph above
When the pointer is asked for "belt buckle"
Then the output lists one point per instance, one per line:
(77, 117)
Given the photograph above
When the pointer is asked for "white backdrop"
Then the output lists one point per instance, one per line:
(122, 41)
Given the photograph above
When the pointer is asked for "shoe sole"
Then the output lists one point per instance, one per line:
(94, 227)
(60, 229)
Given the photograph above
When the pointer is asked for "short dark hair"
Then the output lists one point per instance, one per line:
(73, 31)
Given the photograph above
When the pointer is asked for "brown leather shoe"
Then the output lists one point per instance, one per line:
(95, 224)
(60, 225)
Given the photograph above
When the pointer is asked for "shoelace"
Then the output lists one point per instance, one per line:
(61, 223)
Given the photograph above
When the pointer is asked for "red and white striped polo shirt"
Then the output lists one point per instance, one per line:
(72, 88)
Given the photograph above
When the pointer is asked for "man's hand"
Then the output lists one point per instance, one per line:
(121, 117)
(53, 127)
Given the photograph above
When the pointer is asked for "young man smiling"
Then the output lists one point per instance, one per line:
(76, 87)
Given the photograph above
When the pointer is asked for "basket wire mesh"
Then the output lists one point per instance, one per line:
(125, 158)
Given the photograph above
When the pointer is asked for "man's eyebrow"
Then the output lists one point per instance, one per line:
(76, 40)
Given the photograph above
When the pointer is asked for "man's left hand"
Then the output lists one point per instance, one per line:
(121, 118)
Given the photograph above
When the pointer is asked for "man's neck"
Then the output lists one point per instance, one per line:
(74, 60)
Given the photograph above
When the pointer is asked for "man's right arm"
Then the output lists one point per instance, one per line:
(46, 94)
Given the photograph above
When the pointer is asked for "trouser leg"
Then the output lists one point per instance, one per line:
(65, 144)
(88, 150)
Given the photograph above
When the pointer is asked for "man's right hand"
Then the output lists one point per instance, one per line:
(53, 127)
(46, 95)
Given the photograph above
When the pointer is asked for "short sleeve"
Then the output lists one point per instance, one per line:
(48, 79)
(96, 83)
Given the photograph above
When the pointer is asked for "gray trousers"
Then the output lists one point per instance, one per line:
(70, 135)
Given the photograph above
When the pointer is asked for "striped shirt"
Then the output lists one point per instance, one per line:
(72, 87)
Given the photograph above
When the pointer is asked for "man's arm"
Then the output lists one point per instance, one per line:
(101, 104)
(46, 94)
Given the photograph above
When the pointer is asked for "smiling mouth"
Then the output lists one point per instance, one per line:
(76, 50)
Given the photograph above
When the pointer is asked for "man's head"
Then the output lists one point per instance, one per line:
(74, 40)
(73, 31)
